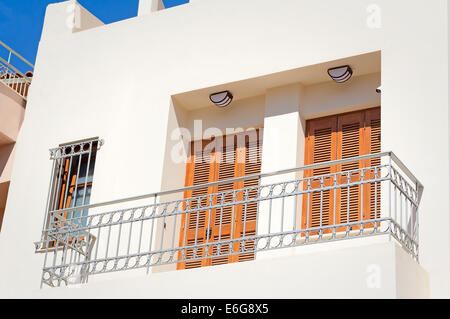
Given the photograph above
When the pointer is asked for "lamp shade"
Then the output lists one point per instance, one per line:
(341, 74)
(221, 99)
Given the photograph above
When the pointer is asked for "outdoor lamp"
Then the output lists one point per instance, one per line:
(341, 74)
(221, 99)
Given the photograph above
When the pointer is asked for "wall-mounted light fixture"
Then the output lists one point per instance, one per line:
(221, 99)
(341, 74)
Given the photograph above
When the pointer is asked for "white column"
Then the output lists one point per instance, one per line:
(283, 148)
(65, 18)
(149, 6)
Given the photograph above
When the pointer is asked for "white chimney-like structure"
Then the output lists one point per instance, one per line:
(149, 6)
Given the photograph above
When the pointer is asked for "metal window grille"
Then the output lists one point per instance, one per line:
(70, 187)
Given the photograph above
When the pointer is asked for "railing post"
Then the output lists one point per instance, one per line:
(417, 197)
(390, 197)
(152, 232)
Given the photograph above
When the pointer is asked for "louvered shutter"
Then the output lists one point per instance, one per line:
(350, 143)
(247, 215)
(224, 218)
(199, 170)
(65, 184)
(233, 157)
(63, 201)
(339, 137)
(241, 158)
(320, 147)
(373, 138)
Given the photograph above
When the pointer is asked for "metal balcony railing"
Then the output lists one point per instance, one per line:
(10, 74)
(356, 197)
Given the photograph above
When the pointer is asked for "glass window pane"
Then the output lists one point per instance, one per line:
(78, 201)
(83, 166)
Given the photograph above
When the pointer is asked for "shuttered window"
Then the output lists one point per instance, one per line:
(231, 156)
(73, 173)
(340, 137)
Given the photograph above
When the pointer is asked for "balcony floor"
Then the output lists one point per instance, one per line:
(364, 269)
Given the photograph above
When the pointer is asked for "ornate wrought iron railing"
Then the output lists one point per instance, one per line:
(375, 195)
(10, 74)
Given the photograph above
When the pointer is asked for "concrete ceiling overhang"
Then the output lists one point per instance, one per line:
(309, 75)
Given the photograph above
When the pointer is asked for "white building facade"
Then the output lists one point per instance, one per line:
(348, 194)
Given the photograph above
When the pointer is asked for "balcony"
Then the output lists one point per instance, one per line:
(14, 86)
(294, 207)
(10, 74)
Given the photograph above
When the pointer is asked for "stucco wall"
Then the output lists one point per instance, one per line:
(12, 110)
(118, 81)
(6, 161)
(372, 275)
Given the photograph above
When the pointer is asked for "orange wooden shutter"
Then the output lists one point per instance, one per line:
(224, 219)
(230, 160)
(60, 204)
(321, 145)
(64, 185)
(339, 137)
(199, 170)
(366, 141)
(350, 143)
(240, 156)
(373, 136)
(247, 215)
(69, 184)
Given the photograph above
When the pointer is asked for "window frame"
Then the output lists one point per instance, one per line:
(62, 186)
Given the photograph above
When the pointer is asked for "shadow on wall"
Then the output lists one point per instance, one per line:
(5, 153)
(3, 195)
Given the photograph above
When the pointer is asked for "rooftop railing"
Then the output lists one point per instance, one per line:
(235, 220)
(10, 74)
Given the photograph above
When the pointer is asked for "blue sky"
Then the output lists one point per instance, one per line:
(21, 20)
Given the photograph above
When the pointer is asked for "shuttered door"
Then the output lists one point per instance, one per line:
(199, 170)
(373, 133)
(339, 137)
(247, 215)
(350, 143)
(233, 157)
(224, 219)
(320, 147)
